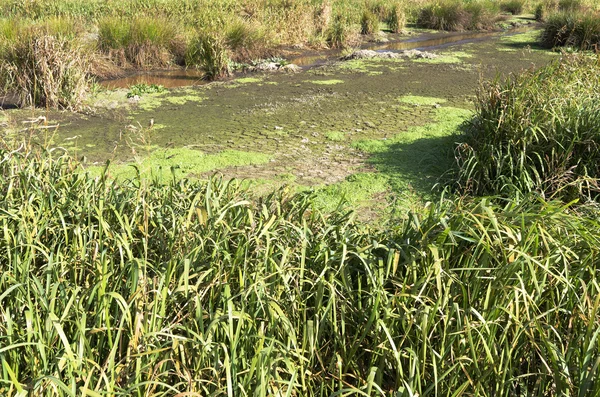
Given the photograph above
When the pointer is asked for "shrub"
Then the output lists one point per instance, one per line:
(210, 53)
(369, 22)
(574, 29)
(44, 70)
(536, 132)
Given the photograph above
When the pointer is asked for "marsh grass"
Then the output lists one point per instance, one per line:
(456, 15)
(579, 29)
(515, 7)
(151, 289)
(45, 71)
(537, 132)
(210, 53)
(369, 22)
(396, 18)
(144, 42)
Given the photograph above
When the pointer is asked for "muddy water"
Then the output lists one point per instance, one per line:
(168, 79)
(183, 78)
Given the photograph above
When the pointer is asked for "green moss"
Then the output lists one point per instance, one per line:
(183, 162)
(152, 102)
(248, 80)
(356, 191)
(421, 100)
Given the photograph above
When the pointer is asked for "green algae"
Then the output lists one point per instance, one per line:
(414, 160)
(325, 82)
(248, 80)
(421, 100)
(453, 57)
(182, 162)
(336, 136)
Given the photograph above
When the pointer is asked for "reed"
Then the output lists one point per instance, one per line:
(149, 289)
(536, 132)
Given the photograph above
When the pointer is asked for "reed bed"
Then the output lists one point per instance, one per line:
(536, 132)
(192, 288)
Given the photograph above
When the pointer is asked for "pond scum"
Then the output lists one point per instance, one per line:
(143, 288)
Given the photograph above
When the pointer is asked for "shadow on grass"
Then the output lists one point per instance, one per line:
(418, 165)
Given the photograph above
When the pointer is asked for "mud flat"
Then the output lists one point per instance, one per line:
(371, 130)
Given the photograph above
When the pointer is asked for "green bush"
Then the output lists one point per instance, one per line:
(536, 132)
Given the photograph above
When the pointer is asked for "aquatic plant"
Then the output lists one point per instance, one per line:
(536, 132)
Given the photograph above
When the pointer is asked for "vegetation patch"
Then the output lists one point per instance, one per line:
(182, 162)
(247, 297)
(326, 82)
(579, 29)
(421, 100)
(336, 136)
(520, 140)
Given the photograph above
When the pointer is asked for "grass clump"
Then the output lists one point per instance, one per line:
(514, 7)
(210, 53)
(579, 29)
(396, 18)
(537, 132)
(341, 33)
(44, 70)
(455, 15)
(369, 22)
(148, 288)
(145, 42)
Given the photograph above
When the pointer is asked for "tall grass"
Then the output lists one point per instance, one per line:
(455, 15)
(144, 42)
(210, 53)
(190, 288)
(44, 70)
(537, 131)
(579, 29)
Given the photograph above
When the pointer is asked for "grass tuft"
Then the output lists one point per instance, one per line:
(537, 132)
